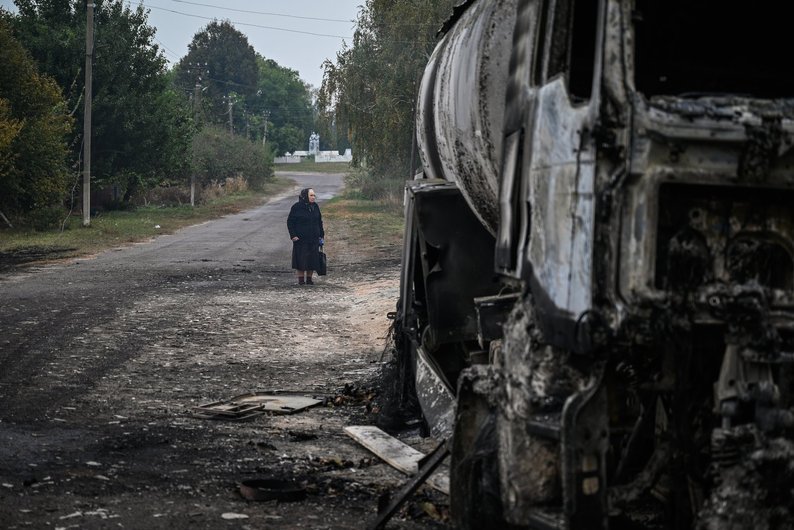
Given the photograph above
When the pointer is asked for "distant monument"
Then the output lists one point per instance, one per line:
(314, 143)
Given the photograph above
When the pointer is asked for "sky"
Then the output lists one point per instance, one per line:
(297, 34)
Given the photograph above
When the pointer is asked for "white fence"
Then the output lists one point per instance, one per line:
(291, 159)
(334, 156)
(320, 157)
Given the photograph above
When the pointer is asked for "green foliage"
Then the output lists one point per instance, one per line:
(140, 131)
(287, 138)
(46, 217)
(370, 91)
(218, 155)
(288, 103)
(33, 126)
(224, 63)
(143, 123)
(365, 182)
(265, 98)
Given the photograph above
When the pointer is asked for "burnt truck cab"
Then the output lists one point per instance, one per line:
(598, 274)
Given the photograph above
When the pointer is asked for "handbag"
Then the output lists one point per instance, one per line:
(322, 263)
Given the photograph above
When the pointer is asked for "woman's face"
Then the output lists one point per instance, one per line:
(312, 196)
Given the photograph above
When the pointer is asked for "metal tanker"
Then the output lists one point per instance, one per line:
(597, 295)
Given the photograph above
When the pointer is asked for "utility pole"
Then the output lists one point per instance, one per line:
(199, 70)
(231, 105)
(266, 114)
(89, 55)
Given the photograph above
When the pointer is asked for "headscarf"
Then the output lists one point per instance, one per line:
(304, 198)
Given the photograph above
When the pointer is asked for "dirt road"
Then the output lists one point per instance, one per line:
(102, 360)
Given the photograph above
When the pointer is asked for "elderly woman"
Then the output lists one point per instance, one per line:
(305, 225)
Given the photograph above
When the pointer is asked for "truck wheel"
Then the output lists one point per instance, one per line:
(475, 498)
(399, 402)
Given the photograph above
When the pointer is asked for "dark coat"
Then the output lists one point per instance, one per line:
(306, 222)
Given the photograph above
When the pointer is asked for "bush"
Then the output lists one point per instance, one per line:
(235, 185)
(364, 182)
(217, 190)
(218, 156)
(46, 217)
(34, 123)
(120, 206)
(165, 196)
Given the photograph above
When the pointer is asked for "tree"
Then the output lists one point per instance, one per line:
(287, 101)
(262, 93)
(33, 127)
(369, 92)
(288, 138)
(227, 63)
(141, 133)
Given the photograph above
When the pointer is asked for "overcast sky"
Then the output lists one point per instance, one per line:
(297, 34)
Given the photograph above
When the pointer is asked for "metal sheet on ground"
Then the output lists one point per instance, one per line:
(246, 406)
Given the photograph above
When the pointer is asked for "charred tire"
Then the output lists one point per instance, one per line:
(475, 496)
(399, 402)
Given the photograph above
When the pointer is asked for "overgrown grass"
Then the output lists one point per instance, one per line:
(313, 167)
(114, 228)
(368, 221)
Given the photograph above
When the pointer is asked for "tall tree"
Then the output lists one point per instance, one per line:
(141, 133)
(369, 92)
(226, 62)
(33, 128)
(238, 85)
(287, 102)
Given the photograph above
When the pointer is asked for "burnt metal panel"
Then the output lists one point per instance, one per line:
(457, 261)
(492, 313)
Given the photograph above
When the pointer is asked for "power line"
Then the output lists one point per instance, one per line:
(167, 49)
(142, 3)
(350, 38)
(262, 12)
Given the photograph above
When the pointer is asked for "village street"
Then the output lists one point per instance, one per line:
(103, 359)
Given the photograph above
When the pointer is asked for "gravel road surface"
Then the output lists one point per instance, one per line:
(103, 359)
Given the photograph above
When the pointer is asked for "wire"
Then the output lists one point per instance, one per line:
(167, 49)
(349, 38)
(141, 3)
(262, 12)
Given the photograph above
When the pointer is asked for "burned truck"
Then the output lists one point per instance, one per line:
(597, 290)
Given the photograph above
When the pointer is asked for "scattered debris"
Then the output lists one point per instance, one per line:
(246, 406)
(397, 454)
(332, 462)
(387, 508)
(356, 394)
(297, 436)
(263, 445)
(269, 489)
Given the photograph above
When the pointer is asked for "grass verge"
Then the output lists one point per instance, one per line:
(313, 167)
(369, 227)
(114, 228)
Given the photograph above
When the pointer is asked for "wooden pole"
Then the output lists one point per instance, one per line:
(89, 52)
